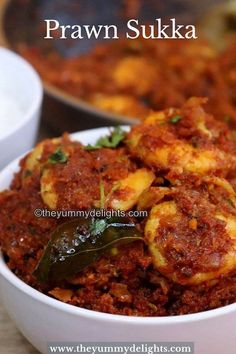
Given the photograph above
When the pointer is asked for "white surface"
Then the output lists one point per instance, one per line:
(43, 319)
(20, 83)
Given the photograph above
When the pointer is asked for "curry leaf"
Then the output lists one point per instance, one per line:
(76, 244)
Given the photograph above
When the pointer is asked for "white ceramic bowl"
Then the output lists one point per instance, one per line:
(19, 81)
(42, 319)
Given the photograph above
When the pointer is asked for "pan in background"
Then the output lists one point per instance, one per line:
(219, 24)
(23, 21)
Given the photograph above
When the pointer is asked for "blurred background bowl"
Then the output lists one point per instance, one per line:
(22, 85)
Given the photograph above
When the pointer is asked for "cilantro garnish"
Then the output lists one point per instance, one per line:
(97, 226)
(175, 119)
(109, 141)
(58, 157)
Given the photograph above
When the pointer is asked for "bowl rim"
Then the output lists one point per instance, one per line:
(32, 76)
(16, 282)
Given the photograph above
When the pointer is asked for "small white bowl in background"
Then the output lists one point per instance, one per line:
(21, 96)
(43, 319)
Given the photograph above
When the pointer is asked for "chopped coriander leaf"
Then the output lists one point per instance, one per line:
(109, 141)
(97, 226)
(175, 119)
(58, 157)
(92, 147)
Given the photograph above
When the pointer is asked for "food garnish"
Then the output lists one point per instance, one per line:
(108, 141)
(76, 244)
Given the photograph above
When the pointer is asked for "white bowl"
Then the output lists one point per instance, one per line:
(18, 80)
(42, 319)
